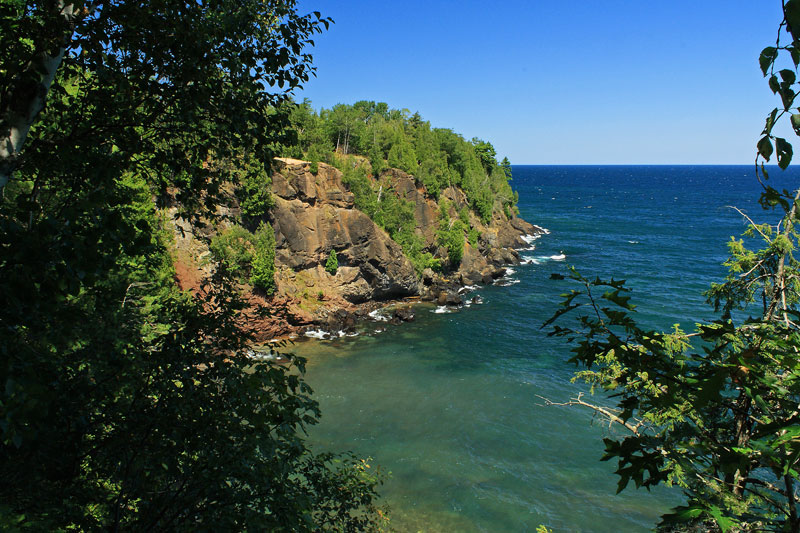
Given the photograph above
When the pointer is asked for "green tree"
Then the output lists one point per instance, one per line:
(450, 234)
(127, 404)
(332, 264)
(714, 412)
(233, 250)
(263, 267)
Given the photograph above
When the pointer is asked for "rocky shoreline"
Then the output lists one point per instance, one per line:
(447, 294)
(315, 213)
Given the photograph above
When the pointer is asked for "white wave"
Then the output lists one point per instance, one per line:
(559, 257)
(505, 282)
(442, 309)
(377, 316)
(315, 333)
(260, 356)
(467, 288)
(353, 334)
(530, 238)
(530, 260)
(633, 242)
(510, 272)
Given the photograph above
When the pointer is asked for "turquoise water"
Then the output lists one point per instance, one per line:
(449, 403)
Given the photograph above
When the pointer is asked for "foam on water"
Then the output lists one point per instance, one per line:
(316, 334)
(261, 356)
(530, 239)
(377, 316)
(325, 335)
(442, 309)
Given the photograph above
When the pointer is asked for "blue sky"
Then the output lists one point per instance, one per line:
(580, 82)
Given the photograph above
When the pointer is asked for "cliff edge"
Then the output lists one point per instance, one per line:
(314, 214)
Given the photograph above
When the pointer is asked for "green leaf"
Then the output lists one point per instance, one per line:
(787, 95)
(617, 298)
(792, 11)
(767, 58)
(796, 123)
(774, 85)
(724, 523)
(770, 122)
(784, 150)
(788, 435)
(765, 148)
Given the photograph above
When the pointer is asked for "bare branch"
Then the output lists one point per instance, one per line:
(612, 418)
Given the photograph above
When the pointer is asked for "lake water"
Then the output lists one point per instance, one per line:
(449, 404)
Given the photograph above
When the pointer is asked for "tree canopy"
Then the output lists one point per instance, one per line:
(128, 404)
(436, 157)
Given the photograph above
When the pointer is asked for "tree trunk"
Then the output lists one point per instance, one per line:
(27, 102)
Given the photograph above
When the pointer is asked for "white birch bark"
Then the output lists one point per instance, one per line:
(18, 123)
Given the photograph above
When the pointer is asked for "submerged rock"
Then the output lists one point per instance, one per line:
(404, 314)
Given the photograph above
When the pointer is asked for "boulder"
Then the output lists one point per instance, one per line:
(404, 314)
(454, 299)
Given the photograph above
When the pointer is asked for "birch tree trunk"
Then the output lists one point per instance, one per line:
(28, 102)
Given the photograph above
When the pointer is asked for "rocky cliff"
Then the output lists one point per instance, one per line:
(315, 213)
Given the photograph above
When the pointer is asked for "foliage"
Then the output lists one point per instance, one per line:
(254, 194)
(247, 256)
(332, 264)
(714, 412)
(355, 178)
(437, 158)
(233, 249)
(395, 215)
(126, 404)
(450, 234)
(263, 267)
(472, 237)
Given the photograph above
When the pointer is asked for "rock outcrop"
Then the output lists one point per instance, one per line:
(314, 214)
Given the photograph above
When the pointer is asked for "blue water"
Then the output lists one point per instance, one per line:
(449, 404)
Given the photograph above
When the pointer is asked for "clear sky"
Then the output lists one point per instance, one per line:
(560, 82)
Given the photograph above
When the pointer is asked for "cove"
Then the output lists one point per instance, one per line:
(449, 403)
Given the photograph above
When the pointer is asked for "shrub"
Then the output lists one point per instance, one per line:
(233, 248)
(472, 236)
(262, 274)
(332, 265)
(450, 234)
(255, 197)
